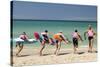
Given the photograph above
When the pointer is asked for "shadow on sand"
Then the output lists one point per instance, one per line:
(63, 53)
(80, 53)
(95, 52)
(23, 55)
(45, 54)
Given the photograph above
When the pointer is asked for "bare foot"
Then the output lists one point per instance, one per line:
(75, 52)
(41, 54)
(17, 55)
(89, 51)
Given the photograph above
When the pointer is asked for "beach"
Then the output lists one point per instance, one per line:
(30, 56)
(69, 22)
(30, 53)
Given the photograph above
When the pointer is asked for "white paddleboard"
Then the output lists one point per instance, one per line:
(21, 40)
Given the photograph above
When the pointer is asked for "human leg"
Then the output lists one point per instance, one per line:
(42, 47)
(20, 47)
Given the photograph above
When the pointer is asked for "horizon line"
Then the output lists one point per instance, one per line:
(51, 20)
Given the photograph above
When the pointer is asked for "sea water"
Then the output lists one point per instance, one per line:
(67, 27)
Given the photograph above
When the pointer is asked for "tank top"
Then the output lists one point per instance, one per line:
(90, 33)
(75, 35)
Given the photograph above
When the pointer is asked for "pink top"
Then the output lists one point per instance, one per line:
(90, 33)
(74, 35)
(24, 37)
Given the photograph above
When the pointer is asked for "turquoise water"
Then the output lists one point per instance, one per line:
(30, 26)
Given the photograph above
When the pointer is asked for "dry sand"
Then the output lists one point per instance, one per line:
(30, 56)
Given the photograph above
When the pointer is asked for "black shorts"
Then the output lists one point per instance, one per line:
(46, 41)
(75, 42)
(57, 41)
(45, 38)
(89, 38)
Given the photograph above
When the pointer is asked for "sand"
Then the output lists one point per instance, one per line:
(30, 56)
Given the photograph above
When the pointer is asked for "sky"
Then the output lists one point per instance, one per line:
(51, 11)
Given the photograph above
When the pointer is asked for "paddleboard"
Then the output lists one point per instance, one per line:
(24, 41)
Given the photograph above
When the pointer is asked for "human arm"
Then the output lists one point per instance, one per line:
(94, 33)
(26, 37)
(64, 39)
(80, 37)
(85, 35)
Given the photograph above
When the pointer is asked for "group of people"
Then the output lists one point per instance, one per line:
(57, 39)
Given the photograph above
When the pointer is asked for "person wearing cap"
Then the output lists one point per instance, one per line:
(45, 36)
(45, 39)
(75, 37)
(59, 37)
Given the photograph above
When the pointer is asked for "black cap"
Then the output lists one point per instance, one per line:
(46, 31)
(76, 30)
(24, 33)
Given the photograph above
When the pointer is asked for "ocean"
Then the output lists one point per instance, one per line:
(53, 26)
